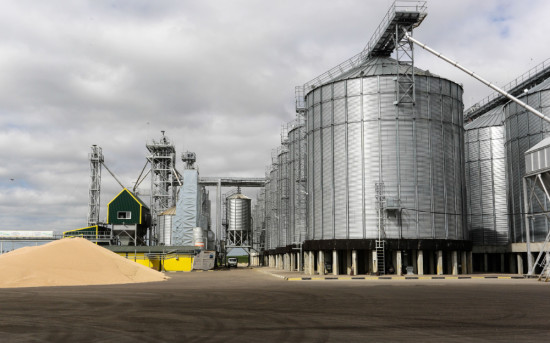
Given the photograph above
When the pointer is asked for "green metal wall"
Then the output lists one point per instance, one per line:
(124, 201)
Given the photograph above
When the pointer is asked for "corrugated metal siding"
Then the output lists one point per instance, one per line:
(525, 130)
(124, 202)
(485, 168)
(418, 157)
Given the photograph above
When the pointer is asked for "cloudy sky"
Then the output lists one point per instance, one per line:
(217, 75)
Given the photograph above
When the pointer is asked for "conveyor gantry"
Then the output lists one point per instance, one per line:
(403, 13)
(386, 39)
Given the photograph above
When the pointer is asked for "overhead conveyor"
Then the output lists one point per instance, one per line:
(533, 176)
(387, 37)
(479, 78)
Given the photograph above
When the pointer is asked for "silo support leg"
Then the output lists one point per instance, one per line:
(287, 262)
(439, 262)
(502, 259)
(335, 262)
(349, 267)
(368, 263)
(520, 263)
(414, 258)
(312, 262)
(398, 263)
(485, 262)
(292, 261)
(464, 262)
(310, 266)
(354, 262)
(321, 262)
(420, 262)
(454, 257)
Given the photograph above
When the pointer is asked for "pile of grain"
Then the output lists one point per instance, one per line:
(70, 262)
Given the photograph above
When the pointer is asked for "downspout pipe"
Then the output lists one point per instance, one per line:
(479, 78)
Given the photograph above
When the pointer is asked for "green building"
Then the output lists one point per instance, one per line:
(129, 217)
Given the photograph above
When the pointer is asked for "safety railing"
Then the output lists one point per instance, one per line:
(525, 77)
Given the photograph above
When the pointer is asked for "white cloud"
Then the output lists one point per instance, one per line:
(217, 75)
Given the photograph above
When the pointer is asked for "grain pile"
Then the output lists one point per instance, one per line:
(70, 262)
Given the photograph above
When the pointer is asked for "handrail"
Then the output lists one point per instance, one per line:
(539, 68)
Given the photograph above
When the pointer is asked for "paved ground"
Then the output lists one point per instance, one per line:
(246, 305)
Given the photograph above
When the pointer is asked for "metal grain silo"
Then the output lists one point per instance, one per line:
(486, 179)
(239, 219)
(358, 138)
(165, 220)
(523, 131)
(283, 195)
(297, 177)
(274, 200)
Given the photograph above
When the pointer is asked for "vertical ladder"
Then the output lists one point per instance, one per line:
(380, 253)
(380, 206)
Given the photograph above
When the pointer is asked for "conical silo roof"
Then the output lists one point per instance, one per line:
(379, 65)
(493, 117)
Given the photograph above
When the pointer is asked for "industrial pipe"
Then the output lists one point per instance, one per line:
(474, 75)
(113, 175)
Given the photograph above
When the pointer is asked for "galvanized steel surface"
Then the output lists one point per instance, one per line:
(486, 179)
(297, 177)
(357, 137)
(523, 131)
(165, 222)
(238, 213)
(537, 159)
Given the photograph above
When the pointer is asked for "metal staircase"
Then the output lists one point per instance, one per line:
(389, 36)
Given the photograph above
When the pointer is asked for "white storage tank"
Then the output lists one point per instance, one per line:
(165, 220)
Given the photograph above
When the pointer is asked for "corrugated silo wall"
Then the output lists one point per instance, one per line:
(486, 180)
(523, 131)
(268, 210)
(238, 214)
(283, 197)
(258, 221)
(357, 137)
(275, 199)
(297, 148)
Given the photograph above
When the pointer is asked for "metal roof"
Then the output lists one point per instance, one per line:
(540, 145)
(544, 85)
(535, 76)
(239, 196)
(494, 117)
(380, 65)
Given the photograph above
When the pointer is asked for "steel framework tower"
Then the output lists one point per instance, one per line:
(163, 179)
(96, 160)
